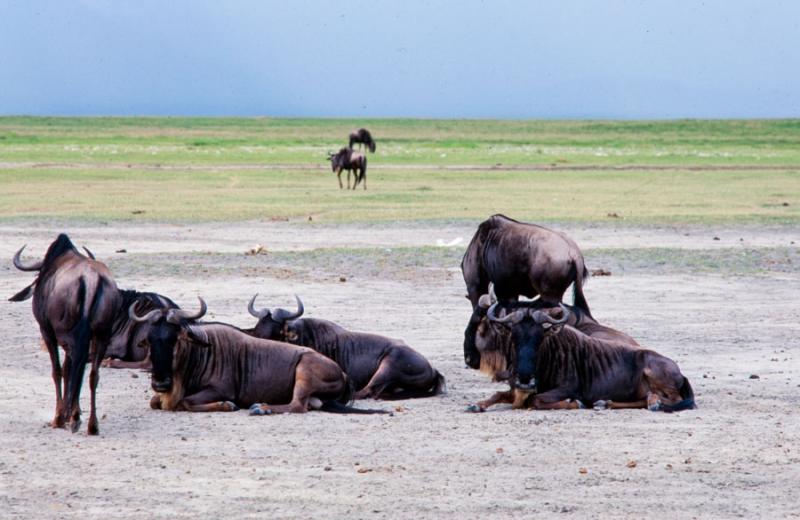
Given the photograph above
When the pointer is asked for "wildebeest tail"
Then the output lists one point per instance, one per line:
(687, 401)
(346, 398)
(581, 277)
(441, 384)
(338, 407)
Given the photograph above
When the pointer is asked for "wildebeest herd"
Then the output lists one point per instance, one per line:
(348, 159)
(552, 355)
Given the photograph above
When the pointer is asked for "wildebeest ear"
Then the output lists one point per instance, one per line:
(485, 301)
(23, 295)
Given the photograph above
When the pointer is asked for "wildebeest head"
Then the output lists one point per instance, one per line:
(166, 327)
(528, 328)
(340, 159)
(271, 323)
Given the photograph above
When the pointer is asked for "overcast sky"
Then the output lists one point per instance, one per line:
(461, 58)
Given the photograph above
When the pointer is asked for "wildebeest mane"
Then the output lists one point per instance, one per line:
(59, 247)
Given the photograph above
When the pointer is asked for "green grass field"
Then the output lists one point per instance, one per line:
(260, 168)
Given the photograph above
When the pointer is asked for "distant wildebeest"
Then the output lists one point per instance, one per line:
(347, 159)
(75, 300)
(558, 367)
(380, 367)
(215, 367)
(362, 136)
(520, 260)
(494, 341)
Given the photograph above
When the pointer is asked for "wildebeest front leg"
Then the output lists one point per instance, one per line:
(208, 400)
(497, 398)
(144, 364)
(339, 176)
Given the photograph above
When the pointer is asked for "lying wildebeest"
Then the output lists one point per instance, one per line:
(75, 300)
(519, 259)
(559, 367)
(215, 367)
(347, 159)
(494, 341)
(379, 367)
(360, 136)
(128, 346)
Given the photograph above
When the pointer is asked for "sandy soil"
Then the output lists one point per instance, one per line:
(738, 455)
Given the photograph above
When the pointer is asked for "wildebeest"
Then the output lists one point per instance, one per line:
(380, 367)
(75, 300)
(362, 136)
(493, 341)
(128, 346)
(520, 260)
(215, 367)
(347, 159)
(559, 367)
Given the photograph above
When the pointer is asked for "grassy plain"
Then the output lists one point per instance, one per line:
(262, 168)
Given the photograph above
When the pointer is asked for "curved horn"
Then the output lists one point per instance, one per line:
(91, 255)
(22, 267)
(543, 317)
(252, 310)
(492, 295)
(176, 315)
(150, 316)
(284, 315)
(492, 317)
(485, 301)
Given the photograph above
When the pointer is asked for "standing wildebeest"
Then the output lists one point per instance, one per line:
(347, 159)
(362, 136)
(75, 300)
(379, 367)
(214, 367)
(494, 341)
(520, 259)
(558, 367)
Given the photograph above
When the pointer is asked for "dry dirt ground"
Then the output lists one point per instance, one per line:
(738, 455)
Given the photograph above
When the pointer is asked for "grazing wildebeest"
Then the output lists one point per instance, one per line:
(215, 367)
(379, 367)
(75, 300)
(347, 159)
(493, 341)
(362, 136)
(520, 260)
(128, 347)
(558, 367)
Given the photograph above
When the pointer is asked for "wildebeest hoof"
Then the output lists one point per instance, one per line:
(474, 408)
(580, 404)
(256, 409)
(75, 425)
(600, 405)
(230, 406)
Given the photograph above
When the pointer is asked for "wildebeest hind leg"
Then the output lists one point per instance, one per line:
(208, 400)
(616, 405)
(57, 372)
(311, 378)
(555, 400)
